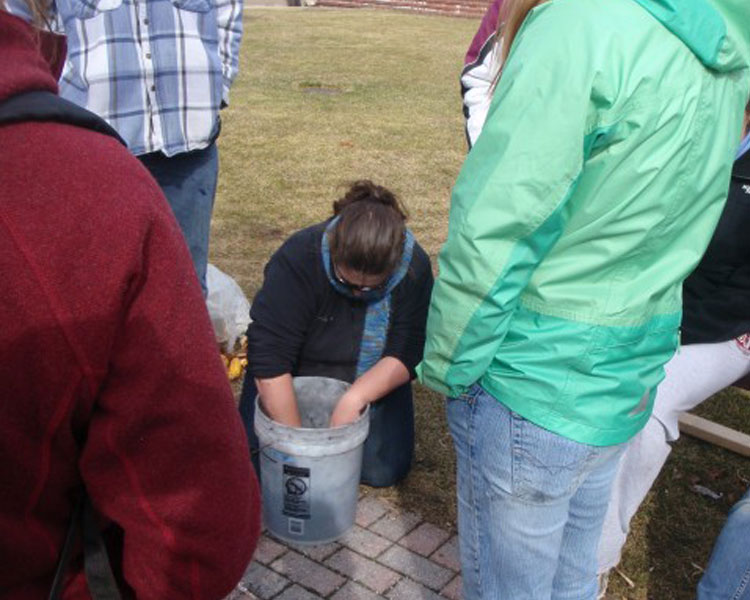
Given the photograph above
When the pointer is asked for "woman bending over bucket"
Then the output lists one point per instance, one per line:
(347, 299)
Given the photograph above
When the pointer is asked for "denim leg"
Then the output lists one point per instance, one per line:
(188, 180)
(389, 447)
(576, 576)
(727, 576)
(247, 414)
(461, 421)
(517, 497)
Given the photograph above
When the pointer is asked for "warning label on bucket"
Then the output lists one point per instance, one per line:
(296, 483)
(296, 526)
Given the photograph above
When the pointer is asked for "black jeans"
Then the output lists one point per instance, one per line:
(389, 447)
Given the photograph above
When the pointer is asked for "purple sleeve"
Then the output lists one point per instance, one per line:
(486, 30)
(480, 68)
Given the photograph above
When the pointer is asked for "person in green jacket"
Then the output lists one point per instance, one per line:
(591, 193)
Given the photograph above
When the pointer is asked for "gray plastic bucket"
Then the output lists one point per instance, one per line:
(310, 475)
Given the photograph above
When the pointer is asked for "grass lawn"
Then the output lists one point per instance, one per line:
(328, 96)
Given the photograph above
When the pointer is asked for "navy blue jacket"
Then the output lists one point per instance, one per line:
(716, 296)
(303, 326)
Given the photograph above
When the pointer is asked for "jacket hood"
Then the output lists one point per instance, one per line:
(716, 31)
(31, 59)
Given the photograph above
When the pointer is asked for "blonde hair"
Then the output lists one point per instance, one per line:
(512, 15)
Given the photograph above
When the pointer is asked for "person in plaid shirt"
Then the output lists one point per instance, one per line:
(158, 71)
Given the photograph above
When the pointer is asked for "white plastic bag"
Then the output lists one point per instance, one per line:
(228, 307)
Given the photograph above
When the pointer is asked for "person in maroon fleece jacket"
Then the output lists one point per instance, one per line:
(104, 337)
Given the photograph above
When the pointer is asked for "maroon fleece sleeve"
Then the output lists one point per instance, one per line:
(166, 457)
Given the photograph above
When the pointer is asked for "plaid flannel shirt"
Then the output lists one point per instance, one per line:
(156, 70)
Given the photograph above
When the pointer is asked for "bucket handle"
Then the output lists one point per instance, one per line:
(259, 449)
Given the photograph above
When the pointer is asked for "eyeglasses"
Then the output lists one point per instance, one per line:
(355, 287)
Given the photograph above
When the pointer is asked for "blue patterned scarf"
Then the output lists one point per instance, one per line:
(378, 315)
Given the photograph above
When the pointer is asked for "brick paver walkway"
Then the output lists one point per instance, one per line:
(389, 554)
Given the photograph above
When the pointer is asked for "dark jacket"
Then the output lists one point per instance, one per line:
(303, 326)
(109, 373)
(716, 296)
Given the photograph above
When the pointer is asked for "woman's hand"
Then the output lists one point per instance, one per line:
(348, 409)
(278, 399)
(385, 376)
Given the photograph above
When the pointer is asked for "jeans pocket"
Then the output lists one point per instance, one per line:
(546, 466)
(86, 9)
(200, 6)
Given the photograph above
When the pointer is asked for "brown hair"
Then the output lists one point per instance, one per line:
(369, 236)
(41, 12)
(512, 15)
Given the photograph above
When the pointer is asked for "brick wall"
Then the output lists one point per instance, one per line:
(456, 8)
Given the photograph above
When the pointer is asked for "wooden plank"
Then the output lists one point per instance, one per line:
(706, 430)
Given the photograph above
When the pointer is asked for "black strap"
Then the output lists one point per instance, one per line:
(83, 525)
(67, 550)
(46, 106)
(99, 576)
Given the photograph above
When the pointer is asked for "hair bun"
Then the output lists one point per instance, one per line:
(365, 190)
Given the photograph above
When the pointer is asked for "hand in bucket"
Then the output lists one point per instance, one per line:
(348, 409)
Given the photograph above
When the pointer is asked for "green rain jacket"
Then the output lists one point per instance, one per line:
(590, 195)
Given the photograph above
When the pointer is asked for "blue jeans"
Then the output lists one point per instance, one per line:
(727, 576)
(188, 180)
(530, 504)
